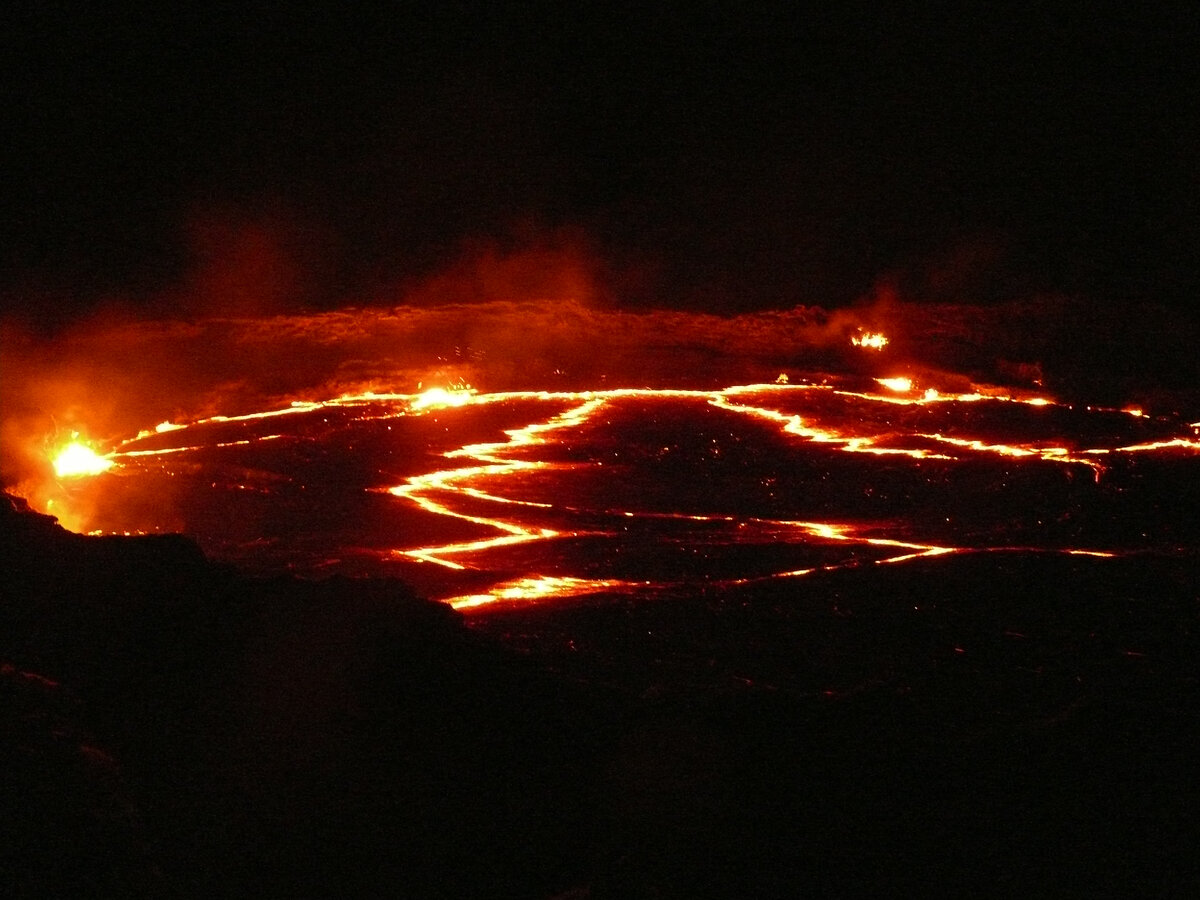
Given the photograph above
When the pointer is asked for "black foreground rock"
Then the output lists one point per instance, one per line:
(998, 725)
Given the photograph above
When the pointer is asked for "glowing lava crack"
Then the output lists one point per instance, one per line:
(419, 488)
(911, 428)
(436, 492)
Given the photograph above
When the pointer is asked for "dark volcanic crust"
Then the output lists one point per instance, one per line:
(1004, 723)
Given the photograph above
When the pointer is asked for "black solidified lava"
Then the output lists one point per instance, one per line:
(998, 724)
(173, 728)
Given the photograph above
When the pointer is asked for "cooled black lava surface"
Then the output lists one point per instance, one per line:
(1006, 723)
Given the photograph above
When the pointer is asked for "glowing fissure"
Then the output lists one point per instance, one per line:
(419, 487)
(441, 492)
(540, 587)
(1050, 454)
(794, 424)
(166, 451)
(499, 463)
(1180, 443)
(442, 398)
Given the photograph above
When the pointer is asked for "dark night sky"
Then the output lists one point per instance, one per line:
(728, 157)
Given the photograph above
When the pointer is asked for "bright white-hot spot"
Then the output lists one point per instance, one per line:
(871, 340)
(901, 384)
(534, 588)
(440, 398)
(78, 459)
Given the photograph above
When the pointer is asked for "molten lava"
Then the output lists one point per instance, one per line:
(77, 460)
(441, 398)
(575, 495)
(536, 588)
(900, 385)
(870, 340)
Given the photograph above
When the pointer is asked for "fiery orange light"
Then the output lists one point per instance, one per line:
(900, 385)
(535, 587)
(871, 340)
(1050, 454)
(1182, 443)
(796, 425)
(160, 428)
(464, 489)
(421, 489)
(441, 398)
(77, 459)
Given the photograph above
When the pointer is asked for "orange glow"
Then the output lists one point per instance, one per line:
(443, 492)
(160, 428)
(797, 426)
(534, 588)
(1181, 443)
(1050, 454)
(77, 459)
(441, 398)
(871, 340)
(483, 486)
(423, 489)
